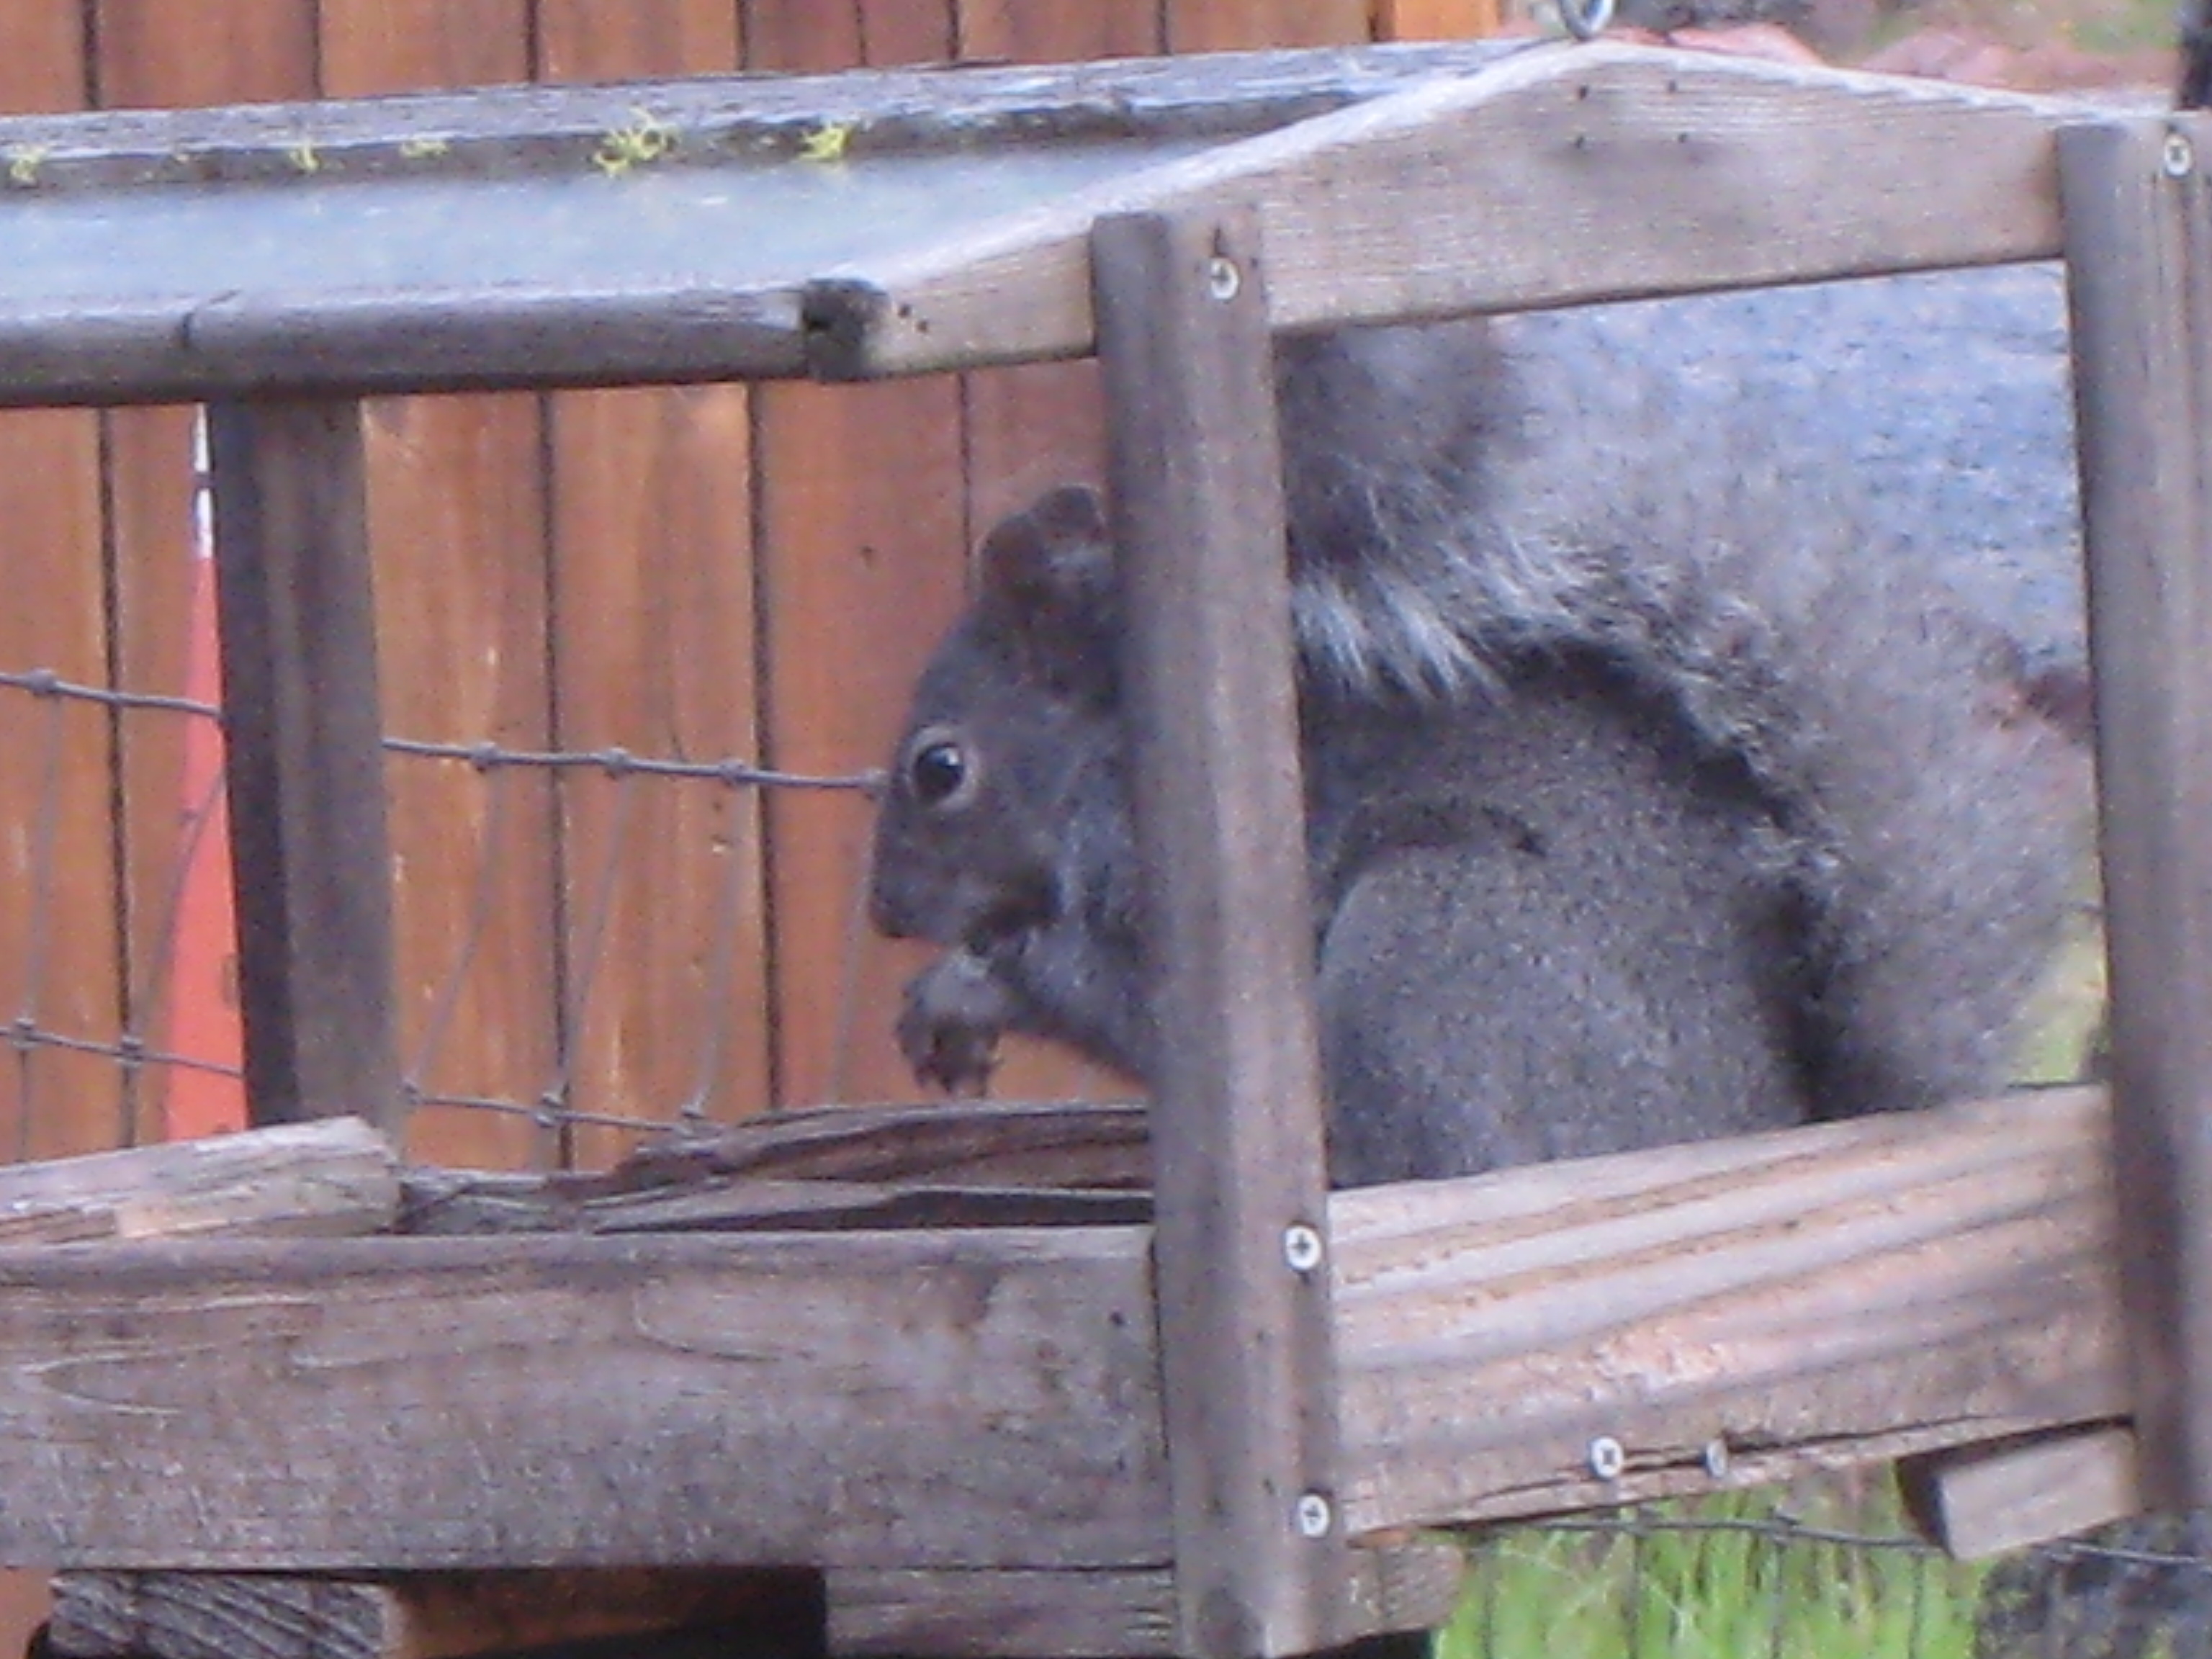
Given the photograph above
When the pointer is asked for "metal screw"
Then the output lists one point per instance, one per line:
(1302, 1248)
(1314, 1515)
(2180, 157)
(1609, 1460)
(1222, 279)
(1716, 1458)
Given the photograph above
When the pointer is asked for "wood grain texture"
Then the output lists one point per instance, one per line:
(983, 1398)
(333, 1178)
(1096, 1616)
(2140, 287)
(1436, 19)
(1034, 426)
(1822, 1297)
(1562, 175)
(1196, 492)
(654, 648)
(457, 501)
(310, 857)
(169, 54)
(429, 1615)
(1205, 26)
(1989, 1500)
(863, 542)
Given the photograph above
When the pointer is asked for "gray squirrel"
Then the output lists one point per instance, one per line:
(1647, 801)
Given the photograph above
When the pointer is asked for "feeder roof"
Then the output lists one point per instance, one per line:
(886, 222)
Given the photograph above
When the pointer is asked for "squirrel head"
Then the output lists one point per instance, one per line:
(1014, 725)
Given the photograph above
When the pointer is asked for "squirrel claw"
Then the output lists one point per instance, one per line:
(949, 1029)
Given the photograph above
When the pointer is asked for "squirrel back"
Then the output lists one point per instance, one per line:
(1643, 802)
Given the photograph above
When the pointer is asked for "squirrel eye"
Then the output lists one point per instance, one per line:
(939, 770)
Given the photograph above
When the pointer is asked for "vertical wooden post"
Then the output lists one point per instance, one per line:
(1241, 1262)
(309, 851)
(2139, 254)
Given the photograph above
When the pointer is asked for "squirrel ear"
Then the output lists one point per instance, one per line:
(1047, 579)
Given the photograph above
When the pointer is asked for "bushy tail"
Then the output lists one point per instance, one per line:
(1557, 498)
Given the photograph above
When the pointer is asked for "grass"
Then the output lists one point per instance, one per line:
(1720, 1579)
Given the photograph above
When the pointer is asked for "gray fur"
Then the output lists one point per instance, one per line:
(1644, 803)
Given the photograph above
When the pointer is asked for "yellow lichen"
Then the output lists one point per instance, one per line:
(646, 139)
(826, 143)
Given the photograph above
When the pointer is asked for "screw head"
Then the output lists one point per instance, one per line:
(1314, 1517)
(1222, 279)
(1608, 1459)
(1302, 1247)
(2180, 157)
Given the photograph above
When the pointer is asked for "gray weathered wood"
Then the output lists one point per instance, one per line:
(1826, 1298)
(1984, 1502)
(713, 120)
(1562, 175)
(1817, 1299)
(431, 1615)
(968, 1399)
(1197, 508)
(1098, 1615)
(310, 856)
(1539, 175)
(2140, 284)
(331, 1179)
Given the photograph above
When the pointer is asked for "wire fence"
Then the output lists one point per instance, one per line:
(140, 1044)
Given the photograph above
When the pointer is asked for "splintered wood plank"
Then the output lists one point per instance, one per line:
(977, 1400)
(331, 1178)
(310, 860)
(654, 653)
(1197, 496)
(1561, 175)
(171, 54)
(458, 498)
(1034, 426)
(432, 1616)
(1725, 1314)
(2140, 286)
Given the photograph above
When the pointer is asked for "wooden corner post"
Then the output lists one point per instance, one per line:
(1241, 1255)
(309, 848)
(2138, 215)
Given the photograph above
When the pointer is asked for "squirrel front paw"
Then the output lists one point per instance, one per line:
(950, 1027)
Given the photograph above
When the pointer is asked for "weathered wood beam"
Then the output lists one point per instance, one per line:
(1724, 1314)
(178, 1616)
(310, 855)
(863, 1613)
(971, 1400)
(1239, 1176)
(1100, 1615)
(2140, 289)
(331, 1178)
(716, 118)
(1589, 1333)
(1562, 175)
(1988, 1500)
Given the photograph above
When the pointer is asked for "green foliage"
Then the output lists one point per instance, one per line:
(1727, 1578)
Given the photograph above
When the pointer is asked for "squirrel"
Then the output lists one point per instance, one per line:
(1646, 800)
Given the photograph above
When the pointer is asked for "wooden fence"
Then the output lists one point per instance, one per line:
(704, 572)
